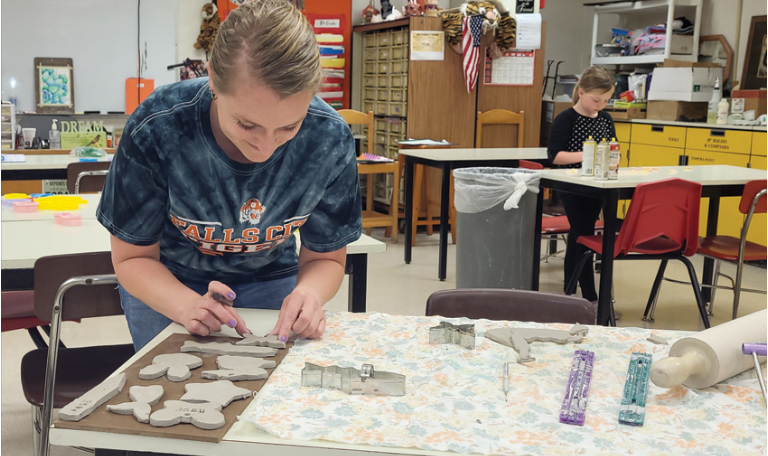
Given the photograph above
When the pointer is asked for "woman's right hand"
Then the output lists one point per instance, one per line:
(206, 315)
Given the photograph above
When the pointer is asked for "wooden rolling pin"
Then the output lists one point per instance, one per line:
(709, 357)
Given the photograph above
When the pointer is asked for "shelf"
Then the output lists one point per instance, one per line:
(629, 7)
(640, 59)
(382, 25)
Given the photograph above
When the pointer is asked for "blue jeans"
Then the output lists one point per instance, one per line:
(145, 323)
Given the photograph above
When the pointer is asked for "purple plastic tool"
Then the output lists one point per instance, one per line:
(577, 392)
(760, 348)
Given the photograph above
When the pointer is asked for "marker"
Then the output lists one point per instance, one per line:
(88, 159)
(220, 298)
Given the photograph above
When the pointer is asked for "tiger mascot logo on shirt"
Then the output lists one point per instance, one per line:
(251, 211)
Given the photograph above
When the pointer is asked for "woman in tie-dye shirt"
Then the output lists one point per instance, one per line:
(213, 175)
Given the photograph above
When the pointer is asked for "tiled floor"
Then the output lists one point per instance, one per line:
(397, 288)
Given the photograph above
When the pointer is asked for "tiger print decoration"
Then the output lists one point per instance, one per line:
(500, 22)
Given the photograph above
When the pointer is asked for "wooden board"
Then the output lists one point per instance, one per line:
(102, 420)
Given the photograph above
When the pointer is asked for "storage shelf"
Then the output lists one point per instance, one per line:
(629, 7)
(640, 59)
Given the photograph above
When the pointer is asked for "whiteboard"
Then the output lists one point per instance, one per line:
(99, 35)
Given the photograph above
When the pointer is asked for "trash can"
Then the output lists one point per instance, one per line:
(495, 222)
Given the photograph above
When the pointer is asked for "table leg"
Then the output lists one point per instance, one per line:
(537, 241)
(408, 208)
(605, 295)
(445, 204)
(357, 268)
(709, 264)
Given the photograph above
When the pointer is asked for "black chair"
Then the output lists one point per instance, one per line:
(505, 304)
(69, 287)
(86, 177)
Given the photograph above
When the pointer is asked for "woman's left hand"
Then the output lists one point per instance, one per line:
(301, 313)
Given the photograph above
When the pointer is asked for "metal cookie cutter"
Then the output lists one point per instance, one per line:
(352, 381)
(448, 333)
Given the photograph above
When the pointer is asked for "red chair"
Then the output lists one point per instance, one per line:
(662, 224)
(553, 226)
(736, 250)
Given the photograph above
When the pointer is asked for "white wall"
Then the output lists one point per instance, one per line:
(100, 37)
(190, 18)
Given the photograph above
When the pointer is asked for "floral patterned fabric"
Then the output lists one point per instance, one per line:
(454, 399)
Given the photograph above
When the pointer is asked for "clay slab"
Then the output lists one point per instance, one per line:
(90, 401)
(177, 365)
(143, 397)
(204, 416)
(220, 392)
(224, 348)
(266, 341)
(518, 338)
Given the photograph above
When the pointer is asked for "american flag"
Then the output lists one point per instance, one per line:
(471, 29)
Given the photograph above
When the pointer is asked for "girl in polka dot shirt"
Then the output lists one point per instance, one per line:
(569, 131)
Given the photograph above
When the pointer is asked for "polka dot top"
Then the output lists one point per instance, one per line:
(570, 129)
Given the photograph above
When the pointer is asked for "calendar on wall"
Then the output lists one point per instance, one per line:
(514, 68)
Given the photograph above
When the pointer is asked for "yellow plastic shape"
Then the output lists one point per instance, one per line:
(11, 196)
(60, 203)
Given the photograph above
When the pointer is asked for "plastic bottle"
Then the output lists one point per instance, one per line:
(602, 157)
(615, 158)
(588, 159)
(54, 136)
(712, 108)
(722, 112)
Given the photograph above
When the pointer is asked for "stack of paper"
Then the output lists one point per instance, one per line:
(332, 60)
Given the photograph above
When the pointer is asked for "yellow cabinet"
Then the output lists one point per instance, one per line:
(757, 229)
(649, 155)
(719, 140)
(658, 135)
(729, 220)
(623, 131)
(758, 144)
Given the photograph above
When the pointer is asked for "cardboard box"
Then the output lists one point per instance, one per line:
(677, 110)
(681, 44)
(626, 113)
(754, 100)
(684, 81)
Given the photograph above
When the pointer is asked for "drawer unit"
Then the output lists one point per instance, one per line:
(758, 143)
(399, 80)
(399, 53)
(382, 81)
(369, 93)
(400, 36)
(383, 67)
(384, 54)
(369, 54)
(729, 220)
(718, 140)
(658, 135)
(380, 124)
(395, 108)
(369, 80)
(383, 38)
(647, 155)
(393, 138)
(380, 108)
(369, 40)
(757, 229)
(369, 67)
(368, 106)
(396, 126)
(623, 131)
(380, 137)
(382, 94)
(392, 152)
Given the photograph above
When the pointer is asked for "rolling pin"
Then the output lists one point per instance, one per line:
(709, 357)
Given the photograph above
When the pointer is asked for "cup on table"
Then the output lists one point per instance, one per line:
(29, 136)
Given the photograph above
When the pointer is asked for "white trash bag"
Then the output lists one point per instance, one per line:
(480, 189)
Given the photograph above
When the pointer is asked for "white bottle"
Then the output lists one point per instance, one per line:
(713, 102)
(588, 157)
(54, 136)
(722, 112)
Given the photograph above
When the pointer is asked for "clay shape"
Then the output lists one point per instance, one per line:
(365, 381)
(143, 397)
(204, 416)
(234, 368)
(658, 340)
(177, 365)
(220, 392)
(266, 341)
(448, 333)
(90, 401)
(225, 348)
(518, 338)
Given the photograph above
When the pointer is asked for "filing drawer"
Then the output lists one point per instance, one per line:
(380, 124)
(399, 80)
(380, 137)
(400, 36)
(719, 140)
(369, 54)
(392, 152)
(392, 139)
(658, 135)
(398, 94)
(382, 81)
(369, 67)
(758, 143)
(623, 131)
(396, 126)
(647, 155)
(400, 66)
(368, 105)
(383, 38)
(399, 53)
(380, 108)
(384, 54)
(369, 93)
(383, 67)
(397, 108)
(369, 40)
(369, 80)
(382, 94)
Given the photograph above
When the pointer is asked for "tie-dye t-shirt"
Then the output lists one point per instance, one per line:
(215, 218)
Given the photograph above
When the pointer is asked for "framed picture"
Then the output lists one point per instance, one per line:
(54, 86)
(753, 76)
